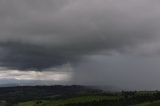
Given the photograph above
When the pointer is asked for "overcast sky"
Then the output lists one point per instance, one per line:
(92, 42)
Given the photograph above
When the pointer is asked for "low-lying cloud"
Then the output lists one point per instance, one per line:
(54, 75)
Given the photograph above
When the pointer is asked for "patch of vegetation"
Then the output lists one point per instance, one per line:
(155, 103)
(75, 100)
(3, 103)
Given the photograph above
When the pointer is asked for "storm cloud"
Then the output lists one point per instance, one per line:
(38, 34)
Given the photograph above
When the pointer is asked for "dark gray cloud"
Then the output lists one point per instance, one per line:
(42, 34)
(27, 57)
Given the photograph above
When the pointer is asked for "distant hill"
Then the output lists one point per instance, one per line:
(9, 85)
(106, 88)
(21, 93)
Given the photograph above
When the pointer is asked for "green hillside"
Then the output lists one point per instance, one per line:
(156, 103)
(80, 99)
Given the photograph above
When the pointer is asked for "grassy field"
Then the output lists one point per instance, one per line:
(156, 103)
(83, 100)
(59, 102)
